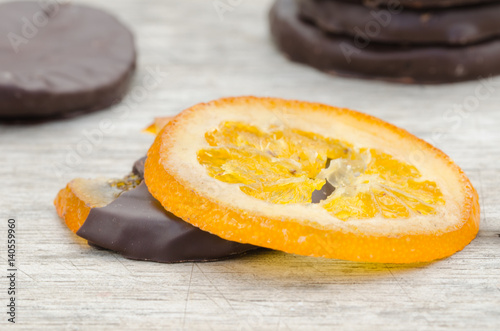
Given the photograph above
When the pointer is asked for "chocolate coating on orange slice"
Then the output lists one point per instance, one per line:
(138, 227)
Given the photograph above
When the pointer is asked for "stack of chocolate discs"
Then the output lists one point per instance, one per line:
(408, 41)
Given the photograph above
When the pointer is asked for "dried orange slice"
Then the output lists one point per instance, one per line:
(73, 203)
(158, 124)
(246, 169)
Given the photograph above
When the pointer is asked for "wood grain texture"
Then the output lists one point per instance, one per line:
(64, 284)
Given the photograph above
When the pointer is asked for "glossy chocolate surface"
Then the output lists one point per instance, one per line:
(422, 4)
(453, 26)
(61, 59)
(138, 227)
(347, 56)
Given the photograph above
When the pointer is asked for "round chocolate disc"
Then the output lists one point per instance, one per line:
(421, 4)
(350, 56)
(58, 59)
(456, 26)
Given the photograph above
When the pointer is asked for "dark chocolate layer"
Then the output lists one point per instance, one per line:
(421, 4)
(58, 59)
(457, 26)
(138, 227)
(348, 56)
(138, 168)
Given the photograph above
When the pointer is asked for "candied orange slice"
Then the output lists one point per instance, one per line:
(246, 169)
(73, 203)
(158, 124)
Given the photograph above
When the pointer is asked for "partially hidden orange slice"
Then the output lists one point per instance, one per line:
(158, 124)
(246, 169)
(73, 203)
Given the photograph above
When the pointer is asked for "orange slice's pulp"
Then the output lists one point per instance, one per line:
(246, 169)
(287, 166)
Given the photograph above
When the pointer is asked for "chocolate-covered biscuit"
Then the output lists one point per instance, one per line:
(348, 56)
(458, 26)
(138, 227)
(421, 4)
(58, 59)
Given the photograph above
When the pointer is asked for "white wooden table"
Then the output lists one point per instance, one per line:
(64, 284)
